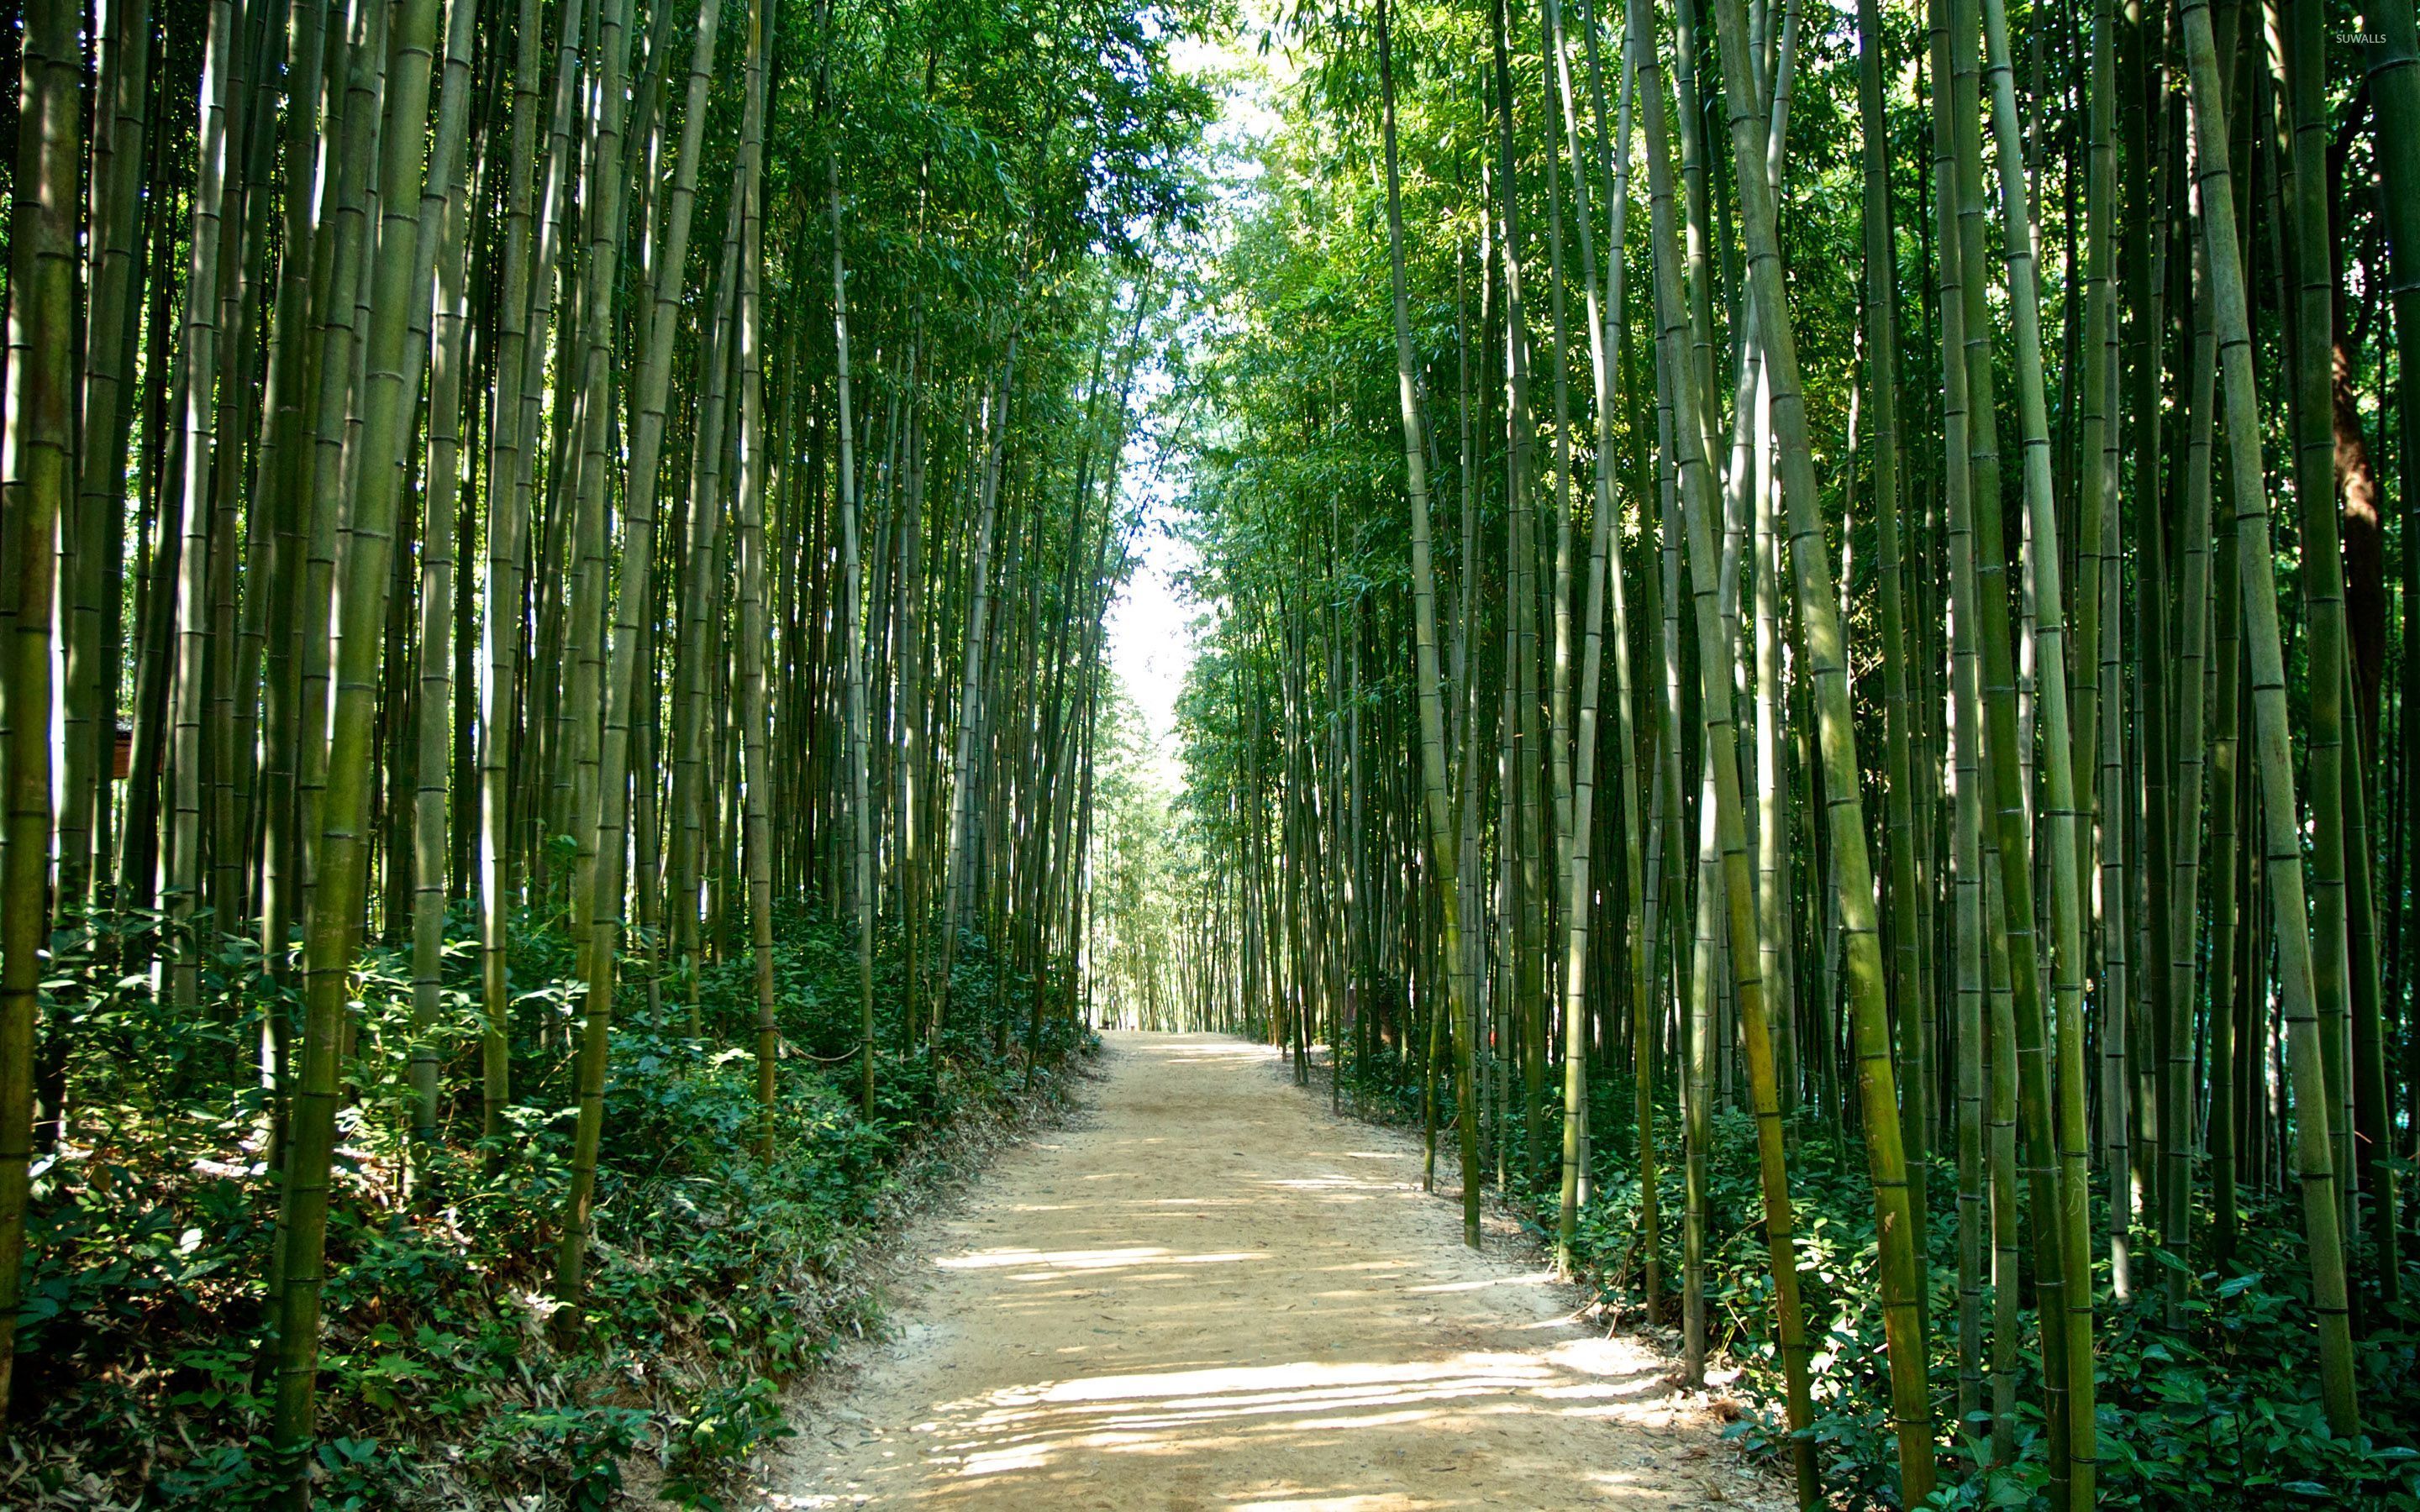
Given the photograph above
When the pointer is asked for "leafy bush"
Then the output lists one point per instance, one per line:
(2219, 1413)
(714, 1274)
(2222, 1412)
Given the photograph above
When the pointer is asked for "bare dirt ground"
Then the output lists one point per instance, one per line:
(1212, 1294)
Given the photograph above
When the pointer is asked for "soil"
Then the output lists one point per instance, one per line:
(1210, 1293)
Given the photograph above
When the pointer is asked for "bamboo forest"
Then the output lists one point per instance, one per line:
(1368, 754)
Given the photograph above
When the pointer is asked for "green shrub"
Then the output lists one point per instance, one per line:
(2220, 1413)
(714, 1276)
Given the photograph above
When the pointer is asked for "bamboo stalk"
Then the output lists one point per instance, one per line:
(2280, 822)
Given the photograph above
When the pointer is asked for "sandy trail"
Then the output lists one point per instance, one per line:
(1214, 1294)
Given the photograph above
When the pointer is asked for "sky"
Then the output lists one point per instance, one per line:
(1151, 625)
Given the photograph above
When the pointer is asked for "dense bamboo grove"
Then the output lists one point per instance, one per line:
(1809, 658)
(1811, 652)
(511, 507)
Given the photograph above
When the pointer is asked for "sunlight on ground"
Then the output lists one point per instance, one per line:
(1235, 1308)
(1084, 1260)
(1030, 1426)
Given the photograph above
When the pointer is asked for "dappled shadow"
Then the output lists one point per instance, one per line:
(1036, 1264)
(1038, 1442)
(1214, 1297)
(1039, 1434)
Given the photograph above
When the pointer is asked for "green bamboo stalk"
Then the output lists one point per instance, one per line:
(1981, 1227)
(1442, 845)
(2192, 533)
(507, 516)
(199, 429)
(237, 629)
(1564, 503)
(39, 481)
(914, 736)
(602, 207)
(1698, 1082)
(2118, 935)
(444, 214)
(2097, 479)
(1819, 613)
(339, 888)
(1721, 738)
(1882, 358)
(701, 619)
(2394, 81)
(2006, 753)
(543, 340)
(1523, 918)
(1752, 499)
(2099, 729)
(754, 719)
(1577, 897)
(1993, 1024)
(2372, 1120)
(339, 303)
(2280, 822)
(853, 626)
(98, 519)
(313, 123)
(2056, 761)
(2311, 262)
(627, 686)
(1639, 889)
(957, 864)
(2226, 899)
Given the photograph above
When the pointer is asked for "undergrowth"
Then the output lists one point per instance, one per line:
(2221, 1413)
(714, 1277)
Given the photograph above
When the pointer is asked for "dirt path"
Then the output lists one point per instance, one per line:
(1212, 1294)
